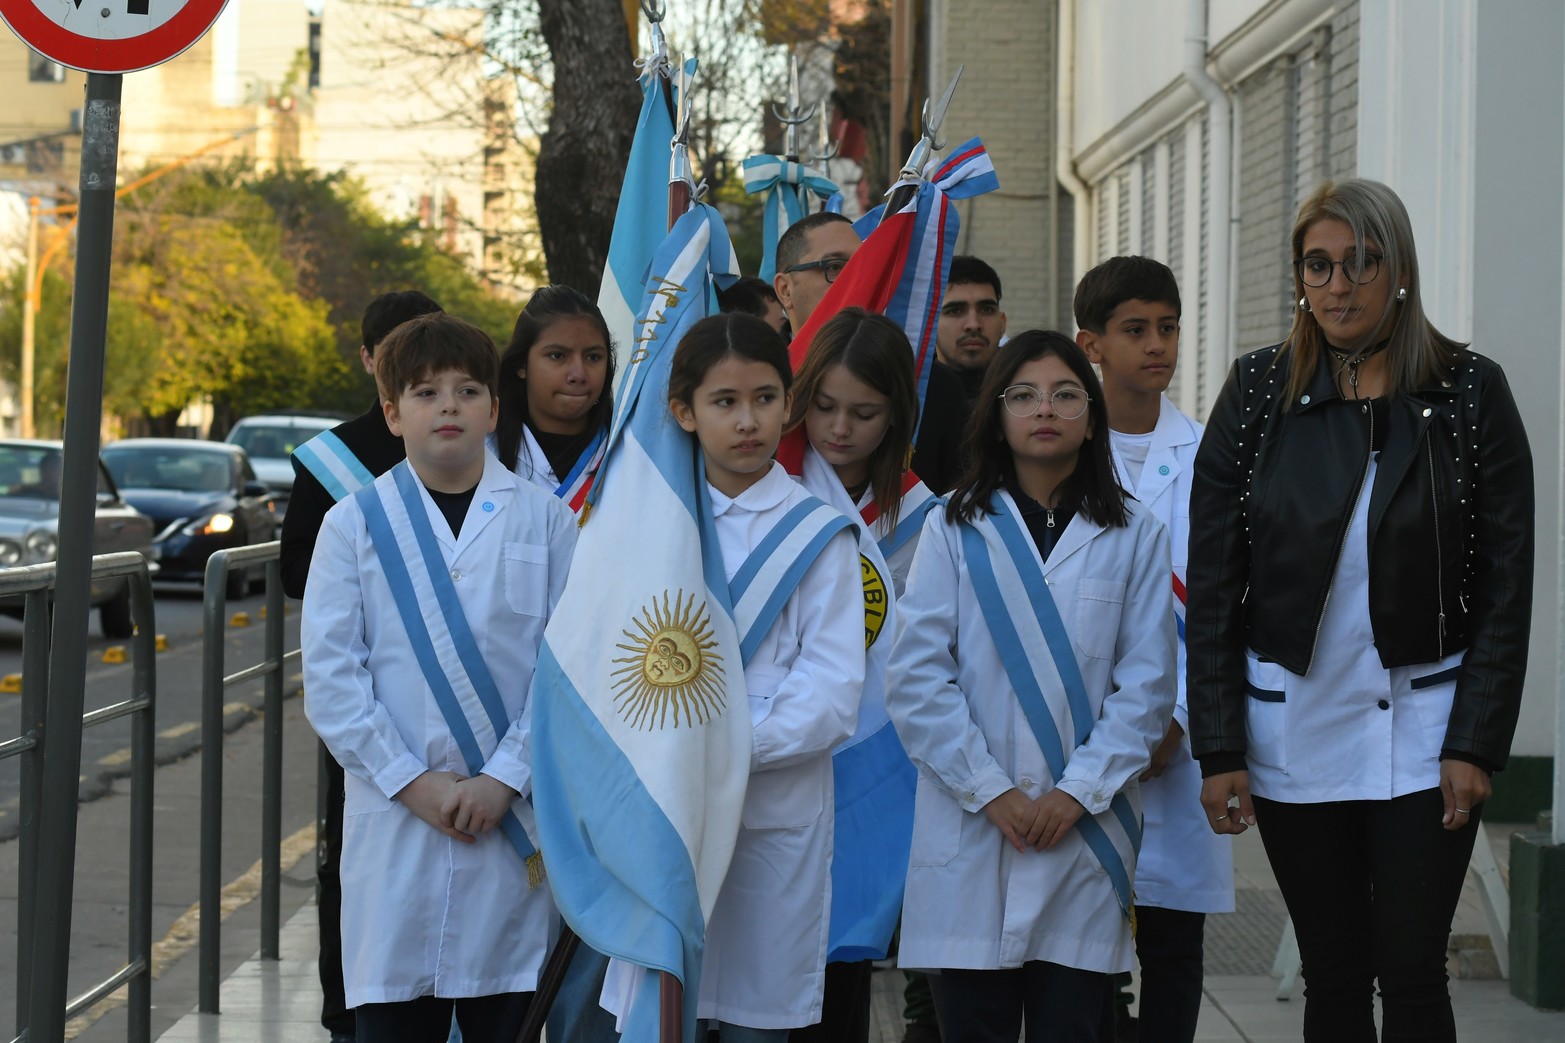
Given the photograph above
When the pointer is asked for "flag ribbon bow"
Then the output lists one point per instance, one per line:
(781, 179)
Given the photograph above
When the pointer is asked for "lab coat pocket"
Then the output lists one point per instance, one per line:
(363, 798)
(786, 798)
(1266, 711)
(1095, 629)
(937, 825)
(527, 578)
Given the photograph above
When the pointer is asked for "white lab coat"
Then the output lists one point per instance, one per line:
(766, 940)
(532, 465)
(1183, 864)
(422, 914)
(1350, 729)
(972, 900)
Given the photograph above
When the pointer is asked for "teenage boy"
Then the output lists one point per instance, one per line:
(428, 595)
(1127, 309)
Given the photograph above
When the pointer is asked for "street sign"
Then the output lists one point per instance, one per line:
(110, 36)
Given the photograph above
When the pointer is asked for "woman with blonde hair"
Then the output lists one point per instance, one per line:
(1360, 593)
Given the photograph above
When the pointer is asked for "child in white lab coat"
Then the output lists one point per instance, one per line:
(1033, 673)
(429, 590)
(804, 673)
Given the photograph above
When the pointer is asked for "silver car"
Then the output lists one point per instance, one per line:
(30, 525)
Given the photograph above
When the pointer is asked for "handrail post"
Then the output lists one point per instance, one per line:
(143, 745)
(36, 635)
(214, 605)
(272, 768)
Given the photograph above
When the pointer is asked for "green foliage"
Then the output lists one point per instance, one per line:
(245, 291)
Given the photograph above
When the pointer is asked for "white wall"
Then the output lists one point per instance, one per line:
(1224, 16)
(1126, 52)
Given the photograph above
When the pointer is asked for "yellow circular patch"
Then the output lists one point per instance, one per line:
(875, 600)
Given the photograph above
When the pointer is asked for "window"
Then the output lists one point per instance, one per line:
(42, 70)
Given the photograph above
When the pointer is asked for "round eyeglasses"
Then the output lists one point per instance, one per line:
(1316, 272)
(1024, 400)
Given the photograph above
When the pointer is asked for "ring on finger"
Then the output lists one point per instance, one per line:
(1463, 811)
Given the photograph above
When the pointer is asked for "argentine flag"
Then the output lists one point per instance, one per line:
(641, 728)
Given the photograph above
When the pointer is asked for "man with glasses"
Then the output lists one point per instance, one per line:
(810, 256)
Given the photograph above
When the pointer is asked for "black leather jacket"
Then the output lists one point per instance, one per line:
(1450, 542)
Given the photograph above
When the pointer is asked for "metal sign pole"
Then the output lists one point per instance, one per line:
(78, 493)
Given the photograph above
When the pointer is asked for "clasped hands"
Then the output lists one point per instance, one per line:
(1037, 824)
(457, 806)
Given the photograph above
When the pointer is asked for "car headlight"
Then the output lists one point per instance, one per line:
(10, 552)
(213, 525)
(43, 545)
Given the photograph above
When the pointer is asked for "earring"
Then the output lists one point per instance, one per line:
(1304, 304)
(1401, 294)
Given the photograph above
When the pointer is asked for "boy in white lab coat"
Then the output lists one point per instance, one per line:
(428, 594)
(1128, 312)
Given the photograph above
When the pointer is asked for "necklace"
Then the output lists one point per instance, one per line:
(1349, 360)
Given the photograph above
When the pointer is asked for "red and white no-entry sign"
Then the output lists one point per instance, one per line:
(110, 36)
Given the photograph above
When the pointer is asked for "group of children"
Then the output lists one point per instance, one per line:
(1021, 636)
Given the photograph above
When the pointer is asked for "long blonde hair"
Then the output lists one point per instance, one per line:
(1416, 351)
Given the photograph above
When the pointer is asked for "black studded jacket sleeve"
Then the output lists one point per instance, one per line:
(1450, 543)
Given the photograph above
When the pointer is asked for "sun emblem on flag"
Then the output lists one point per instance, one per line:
(672, 673)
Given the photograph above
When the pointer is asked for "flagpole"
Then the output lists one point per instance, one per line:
(913, 170)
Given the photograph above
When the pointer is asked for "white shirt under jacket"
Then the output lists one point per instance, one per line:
(766, 941)
(972, 900)
(422, 914)
(1183, 864)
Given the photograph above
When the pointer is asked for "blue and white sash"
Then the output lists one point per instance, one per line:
(917, 500)
(439, 633)
(773, 571)
(333, 464)
(1024, 622)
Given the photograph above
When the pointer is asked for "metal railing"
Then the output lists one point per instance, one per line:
(33, 745)
(214, 682)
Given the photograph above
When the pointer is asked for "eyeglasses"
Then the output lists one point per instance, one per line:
(830, 268)
(1316, 272)
(1024, 400)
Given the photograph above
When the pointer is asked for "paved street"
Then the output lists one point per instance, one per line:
(106, 749)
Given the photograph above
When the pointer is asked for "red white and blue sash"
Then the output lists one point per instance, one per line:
(438, 632)
(573, 490)
(1035, 648)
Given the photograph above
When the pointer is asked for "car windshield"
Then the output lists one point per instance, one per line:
(182, 470)
(30, 471)
(275, 441)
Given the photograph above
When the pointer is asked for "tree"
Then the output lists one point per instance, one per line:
(581, 159)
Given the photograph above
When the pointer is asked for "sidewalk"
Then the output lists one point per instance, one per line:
(280, 1001)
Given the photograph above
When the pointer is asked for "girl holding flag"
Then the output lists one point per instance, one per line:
(854, 411)
(556, 380)
(1034, 665)
(792, 567)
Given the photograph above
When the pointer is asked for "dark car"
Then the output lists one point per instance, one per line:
(202, 497)
(30, 525)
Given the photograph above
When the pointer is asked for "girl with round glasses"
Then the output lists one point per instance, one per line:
(1360, 592)
(1034, 667)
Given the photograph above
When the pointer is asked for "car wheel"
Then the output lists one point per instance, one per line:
(114, 617)
(238, 582)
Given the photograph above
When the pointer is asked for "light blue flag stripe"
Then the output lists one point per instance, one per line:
(333, 464)
(874, 783)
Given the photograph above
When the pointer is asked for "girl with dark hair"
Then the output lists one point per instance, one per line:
(794, 567)
(1035, 661)
(855, 408)
(556, 380)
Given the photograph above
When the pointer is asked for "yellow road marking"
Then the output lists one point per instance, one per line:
(180, 729)
(116, 758)
(238, 707)
(185, 932)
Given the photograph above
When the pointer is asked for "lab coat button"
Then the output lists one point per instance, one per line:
(1163, 469)
(1027, 784)
(456, 573)
(1384, 704)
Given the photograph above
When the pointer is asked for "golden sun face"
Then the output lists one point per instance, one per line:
(671, 673)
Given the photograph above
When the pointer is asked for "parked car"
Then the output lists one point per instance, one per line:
(269, 439)
(30, 526)
(202, 497)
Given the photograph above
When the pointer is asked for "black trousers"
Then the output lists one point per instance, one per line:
(844, 1009)
(1372, 887)
(1169, 949)
(483, 1019)
(335, 1015)
(1059, 1004)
